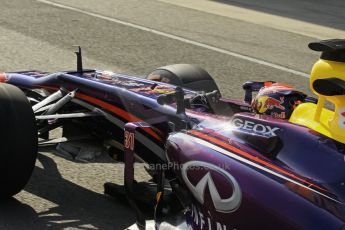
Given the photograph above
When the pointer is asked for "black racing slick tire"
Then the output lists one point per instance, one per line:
(18, 140)
(185, 75)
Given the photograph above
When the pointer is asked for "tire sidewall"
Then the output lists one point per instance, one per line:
(18, 136)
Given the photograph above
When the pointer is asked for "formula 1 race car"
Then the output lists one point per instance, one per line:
(215, 162)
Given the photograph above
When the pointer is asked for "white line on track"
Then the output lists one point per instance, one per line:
(178, 38)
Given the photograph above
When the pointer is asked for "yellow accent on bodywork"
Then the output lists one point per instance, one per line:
(304, 115)
(326, 69)
(322, 120)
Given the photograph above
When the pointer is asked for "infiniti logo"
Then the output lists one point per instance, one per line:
(227, 205)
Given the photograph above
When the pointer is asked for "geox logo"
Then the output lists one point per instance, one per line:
(226, 205)
(256, 128)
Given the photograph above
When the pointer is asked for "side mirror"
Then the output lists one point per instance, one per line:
(329, 86)
(175, 97)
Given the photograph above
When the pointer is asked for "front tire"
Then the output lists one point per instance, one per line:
(18, 140)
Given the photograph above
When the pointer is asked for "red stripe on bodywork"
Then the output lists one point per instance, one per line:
(249, 156)
(3, 77)
(118, 111)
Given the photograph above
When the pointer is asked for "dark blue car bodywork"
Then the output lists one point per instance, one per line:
(240, 171)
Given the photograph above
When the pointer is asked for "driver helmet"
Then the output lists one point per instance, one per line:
(277, 100)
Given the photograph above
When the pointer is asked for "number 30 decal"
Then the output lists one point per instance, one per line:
(129, 140)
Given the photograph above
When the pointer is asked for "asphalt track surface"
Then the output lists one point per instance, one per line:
(134, 37)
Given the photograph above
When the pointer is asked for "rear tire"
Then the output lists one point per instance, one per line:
(18, 140)
(185, 75)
